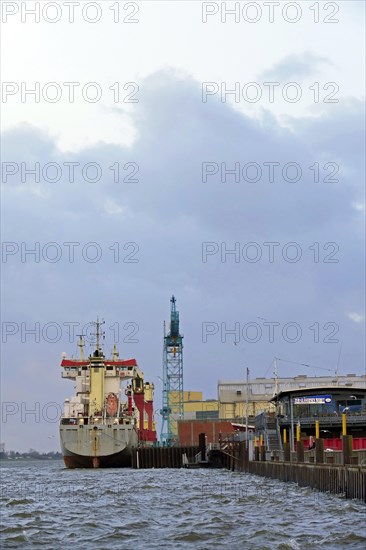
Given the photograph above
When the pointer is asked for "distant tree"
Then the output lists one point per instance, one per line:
(33, 453)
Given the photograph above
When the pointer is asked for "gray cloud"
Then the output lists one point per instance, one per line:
(169, 213)
(296, 66)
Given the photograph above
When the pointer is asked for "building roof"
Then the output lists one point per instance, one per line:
(318, 390)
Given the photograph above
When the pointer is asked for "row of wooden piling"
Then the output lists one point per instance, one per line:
(347, 451)
(234, 457)
(349, 481)
(162, 457)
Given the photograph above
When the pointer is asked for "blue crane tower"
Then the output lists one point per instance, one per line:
(173, 397)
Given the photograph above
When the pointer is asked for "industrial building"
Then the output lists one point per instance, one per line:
(313, 413)
(214, 430)
(195, 408)
(232, 395)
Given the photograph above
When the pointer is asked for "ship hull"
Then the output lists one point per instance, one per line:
(117, 460)
(102, 446)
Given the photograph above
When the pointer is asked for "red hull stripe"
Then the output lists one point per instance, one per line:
(73, 363)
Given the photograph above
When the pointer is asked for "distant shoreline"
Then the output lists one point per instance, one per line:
(25, 456)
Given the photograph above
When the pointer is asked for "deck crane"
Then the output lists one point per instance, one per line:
(173, 397)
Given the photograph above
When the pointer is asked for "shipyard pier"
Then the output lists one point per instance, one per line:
(308, 430)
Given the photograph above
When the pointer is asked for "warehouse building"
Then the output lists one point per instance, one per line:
(195, 408)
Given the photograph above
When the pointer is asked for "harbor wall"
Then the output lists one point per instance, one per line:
(348, 480)
(163, 457)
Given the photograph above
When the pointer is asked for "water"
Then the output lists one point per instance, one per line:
(44, 505)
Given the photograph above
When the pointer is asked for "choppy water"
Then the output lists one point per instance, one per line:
(45, 505)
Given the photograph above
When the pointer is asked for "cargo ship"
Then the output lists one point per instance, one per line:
(111, 412)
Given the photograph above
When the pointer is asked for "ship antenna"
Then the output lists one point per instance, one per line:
(337, 367)
(275, 372)
(99, 333)
(115, 352)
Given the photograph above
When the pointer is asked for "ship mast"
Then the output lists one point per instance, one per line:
(98, 335)
(275, 372)
(81, 346)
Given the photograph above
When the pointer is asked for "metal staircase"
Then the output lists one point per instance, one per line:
(271, 435)
(268, 426)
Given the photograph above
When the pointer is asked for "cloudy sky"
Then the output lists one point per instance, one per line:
(221, 161)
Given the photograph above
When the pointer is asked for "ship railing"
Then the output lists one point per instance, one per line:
(331, 420)
(95, 419)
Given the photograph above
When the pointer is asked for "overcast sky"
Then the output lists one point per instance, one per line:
(291, 210)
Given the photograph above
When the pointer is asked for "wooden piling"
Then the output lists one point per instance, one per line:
(287, 451)
(300, 451)
(319, 451)
(347, 448)
(202, 445)
(263, 453)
